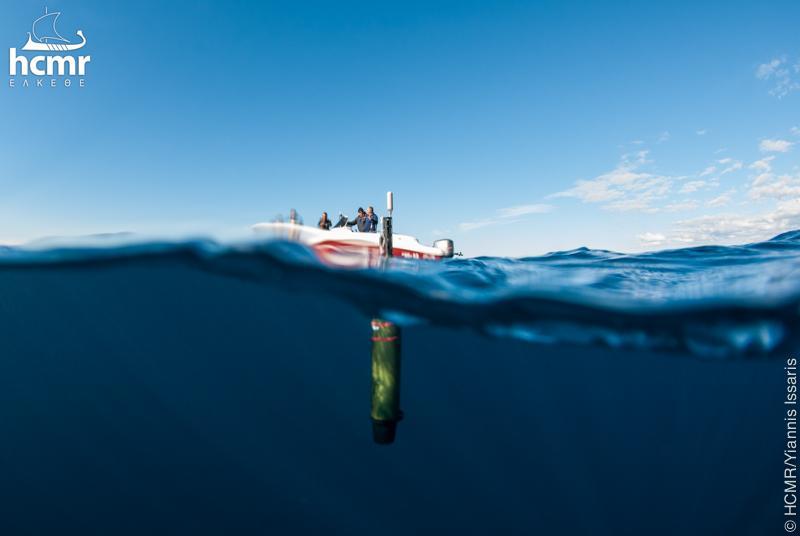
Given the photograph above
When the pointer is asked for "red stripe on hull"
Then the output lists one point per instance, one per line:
(344, 254)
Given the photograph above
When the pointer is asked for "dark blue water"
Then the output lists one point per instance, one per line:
(193, 387)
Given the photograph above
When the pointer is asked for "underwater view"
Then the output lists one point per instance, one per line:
(197, 386)
(399, 268)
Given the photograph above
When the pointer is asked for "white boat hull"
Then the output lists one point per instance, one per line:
(343, 247)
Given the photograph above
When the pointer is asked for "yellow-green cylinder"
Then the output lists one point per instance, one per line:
(385, 381)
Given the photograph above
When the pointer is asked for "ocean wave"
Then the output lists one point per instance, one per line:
(709, 301)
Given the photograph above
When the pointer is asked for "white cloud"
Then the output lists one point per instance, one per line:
(664, 137)
(795, 131)
(721, 200)
(633, 185)
(735, 227)
(652, 239)
(763, 164)
(689, 204)
(521, 210)
(761, 181)
(702, 132)
(692, 186)
(506, 215)
(728, 228)
(708, 171)
(766, 185)
(766, 70)
(770, 187)
(472, 225)
(736, 165)
(624, 188)
(782, 74)
(775, 146)
(612, 185)
(640, 203)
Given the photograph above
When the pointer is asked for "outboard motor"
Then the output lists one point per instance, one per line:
(446, 245)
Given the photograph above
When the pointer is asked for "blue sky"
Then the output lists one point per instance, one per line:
(514, 128)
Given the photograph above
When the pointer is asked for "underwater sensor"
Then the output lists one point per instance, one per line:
(385, 358)
(385, 381)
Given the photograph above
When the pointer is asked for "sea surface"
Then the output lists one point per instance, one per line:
(187, 387)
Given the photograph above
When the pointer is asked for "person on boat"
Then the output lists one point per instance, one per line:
(324, 223)
(360, 222)
(372, 221)
(366, 221)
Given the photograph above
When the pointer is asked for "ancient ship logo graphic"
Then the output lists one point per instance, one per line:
(44, 36)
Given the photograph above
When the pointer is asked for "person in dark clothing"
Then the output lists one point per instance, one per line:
(372, 221)
(360, 222)
(324, 222)
(365, 222)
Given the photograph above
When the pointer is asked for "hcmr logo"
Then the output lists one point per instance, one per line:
(49, 69)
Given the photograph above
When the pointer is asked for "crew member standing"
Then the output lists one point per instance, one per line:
(324, 223)
(371, 224)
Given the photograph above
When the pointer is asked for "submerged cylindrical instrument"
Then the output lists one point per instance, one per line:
(385, 358)
(385, 381)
